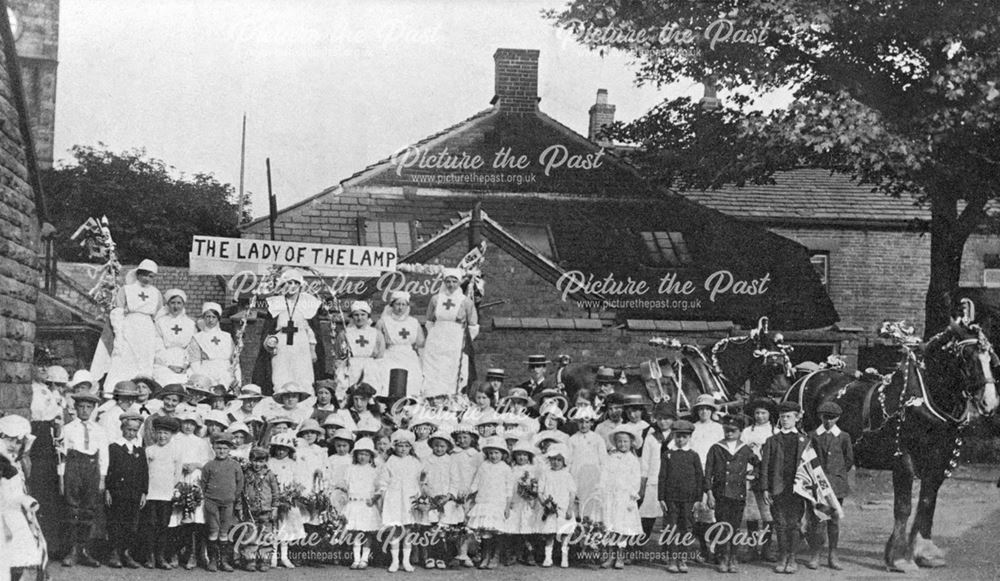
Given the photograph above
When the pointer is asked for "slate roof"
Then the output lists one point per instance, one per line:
(810, 195)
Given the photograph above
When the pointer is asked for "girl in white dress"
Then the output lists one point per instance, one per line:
(402, 335)
(587, 452)
(620, 481)
(493, 486)
(758, 512)
(449, 313)
(522, 520)
(135, 306)
(22, 546)
(435, 479)
(336, 466)
(175, 330)
(557, 483)
(195, 452)
(649, 462)
(211, 351)
(361, 512)
(290, 521)
(399, 478)
(465, 461)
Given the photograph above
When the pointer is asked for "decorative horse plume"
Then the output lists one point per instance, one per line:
(968, 311)
(899, 332)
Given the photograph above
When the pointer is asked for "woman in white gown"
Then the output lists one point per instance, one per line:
(402, 335)
(175, 329)
(211, 351)
(449, 312)
(131, 318)
(367, 347)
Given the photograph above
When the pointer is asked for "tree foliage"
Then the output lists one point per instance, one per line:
(153, 214)
(901, 95)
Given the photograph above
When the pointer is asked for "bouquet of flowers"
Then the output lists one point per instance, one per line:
(187, 497)
(316, 502)
(421, 503)
(465, 498)
(332, 521)
(527, 487)
(458, 532)
(439, 502)
(549, 507)
(290, 495)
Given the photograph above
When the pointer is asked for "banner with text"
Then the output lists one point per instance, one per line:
(217, 255)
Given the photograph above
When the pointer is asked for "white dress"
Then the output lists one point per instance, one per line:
(523, 520)
(361, 484)
(211, 354)
(558, 484)
(400, 479)
(705, 435)
(400, 337)
(445, 366)
(175, 335)
(493, 485)
(193, 450)
(290, 521)
(435, 479)
(587, 452)
(334, 472)
(21, 540)
(363, 364)
(135, 333)
(464, 464)
(293, 361)
(619, 488)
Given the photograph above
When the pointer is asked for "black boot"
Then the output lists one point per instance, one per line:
(754, 552)
(225, 556)
(213, 557)
(771, 545)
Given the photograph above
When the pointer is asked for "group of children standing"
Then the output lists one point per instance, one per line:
(516, 477)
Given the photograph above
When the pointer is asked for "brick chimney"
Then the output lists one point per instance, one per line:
(601, 115)
(516, 80)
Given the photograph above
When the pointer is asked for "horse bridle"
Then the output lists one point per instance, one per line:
(956, 348)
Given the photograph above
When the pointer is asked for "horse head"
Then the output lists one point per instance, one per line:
(762, 357)
(962, 356)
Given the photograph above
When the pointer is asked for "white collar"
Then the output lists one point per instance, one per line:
(822, 430)
(129, 443)
(788, 431)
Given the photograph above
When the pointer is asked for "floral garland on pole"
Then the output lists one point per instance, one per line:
(268, 283)
(95, 236)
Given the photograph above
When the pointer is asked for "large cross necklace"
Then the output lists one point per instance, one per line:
(290, 329)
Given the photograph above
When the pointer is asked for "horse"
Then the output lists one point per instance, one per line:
(911, 422)
(761, 357)
(656, 380)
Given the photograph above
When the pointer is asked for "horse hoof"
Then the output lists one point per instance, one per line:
(930, 562)
(902, 566)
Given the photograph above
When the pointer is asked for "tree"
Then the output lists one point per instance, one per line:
(153, 214)
(899, 95)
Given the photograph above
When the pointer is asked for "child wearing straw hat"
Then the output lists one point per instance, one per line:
(521, 518)
(492, 487)
(621, 477)
(465, 462)
(290, 525)
(587, 452)
(399, 478)
(361, 511)
(435, 478)
(556, 486)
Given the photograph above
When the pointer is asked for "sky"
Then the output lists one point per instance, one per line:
(328, 86)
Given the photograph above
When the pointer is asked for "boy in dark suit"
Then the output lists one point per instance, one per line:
(679, 487)
(836, 455)
(780, 461)
(726, 469)
(125, 490)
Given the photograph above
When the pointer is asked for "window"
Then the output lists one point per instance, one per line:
(666, 249)
(537, 237)
(821, 262)
(391, 234)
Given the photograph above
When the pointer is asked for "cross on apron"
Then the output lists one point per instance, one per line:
(143, 295)
(448, 304)
(404, 333)
(289, 330)
(216, 340)
(176, 329)
(362, 341)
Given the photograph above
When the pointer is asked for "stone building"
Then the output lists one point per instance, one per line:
(22, 212)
